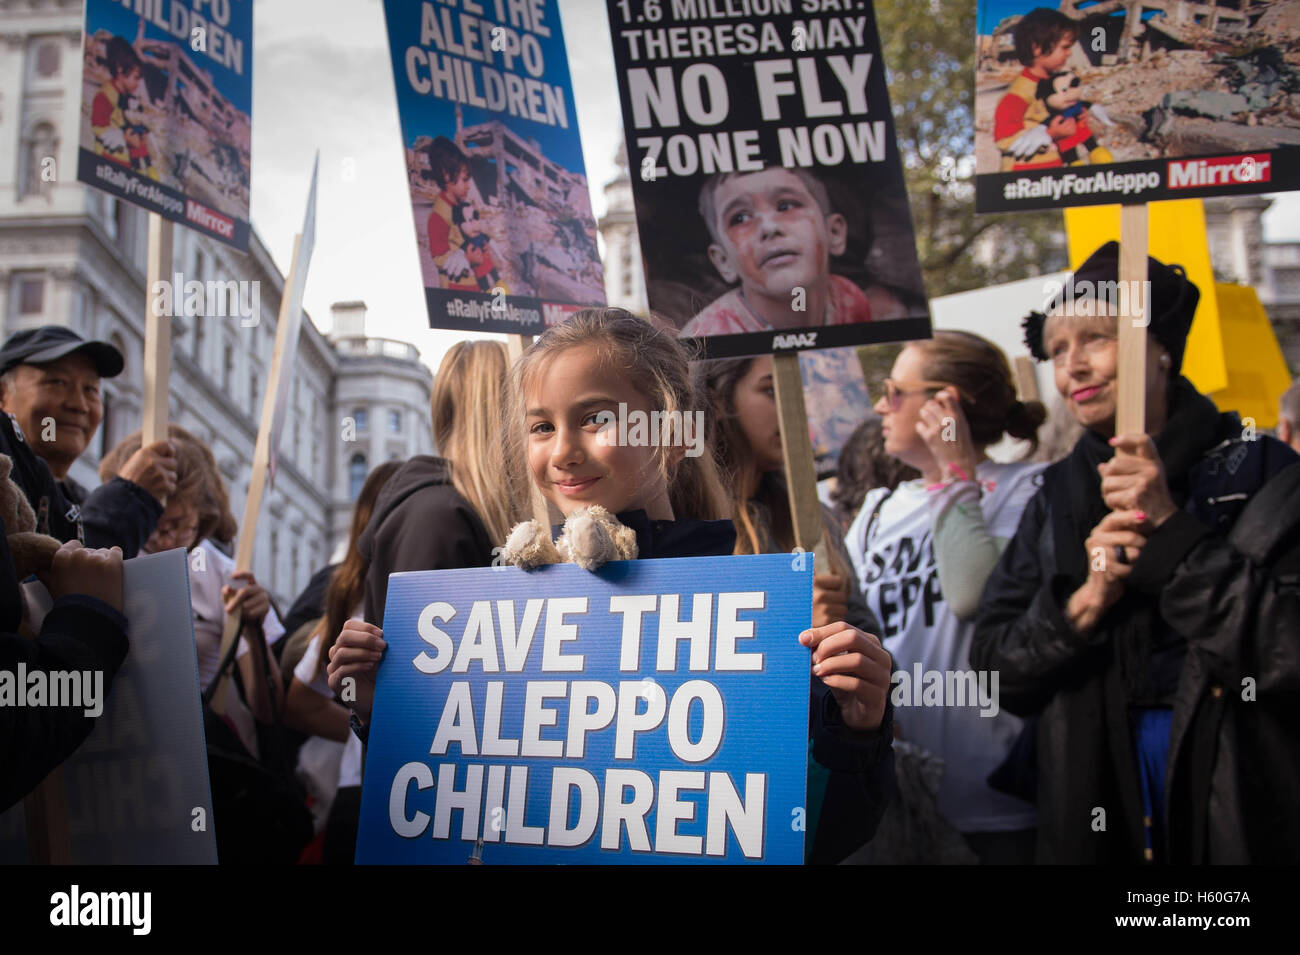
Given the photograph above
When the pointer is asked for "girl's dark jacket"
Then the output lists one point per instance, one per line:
(1222, 578)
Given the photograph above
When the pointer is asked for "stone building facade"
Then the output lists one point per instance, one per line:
(71, 255)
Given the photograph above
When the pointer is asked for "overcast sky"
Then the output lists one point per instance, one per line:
(322, 80)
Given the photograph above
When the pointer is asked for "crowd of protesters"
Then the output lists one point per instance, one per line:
(1129, 612)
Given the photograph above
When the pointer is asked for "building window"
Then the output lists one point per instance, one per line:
(31, 296)
(198, 340)
(356, 475)
(362, 418)
(228, 367)
(47, 60)
(121, 216)
(107, 437)
(109, 216)
(394, 421)
(42, 146)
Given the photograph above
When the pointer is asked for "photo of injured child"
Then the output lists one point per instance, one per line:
(779, 254)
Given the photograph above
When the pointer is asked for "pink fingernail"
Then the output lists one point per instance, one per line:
(1141, 515)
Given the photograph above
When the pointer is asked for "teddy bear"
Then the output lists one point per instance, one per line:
(30, 552)
(591, 538)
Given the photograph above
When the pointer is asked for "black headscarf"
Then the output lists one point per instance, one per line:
(1170, 306)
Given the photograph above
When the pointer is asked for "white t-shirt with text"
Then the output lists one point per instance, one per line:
(893, 556)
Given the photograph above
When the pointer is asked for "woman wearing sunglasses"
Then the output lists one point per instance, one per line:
(922, 554)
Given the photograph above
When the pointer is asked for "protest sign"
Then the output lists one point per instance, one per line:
(503, 219)
(1084, 103)
(136, 791)
(275, 406)
(716, 94)
(652, 711)
(166, 110)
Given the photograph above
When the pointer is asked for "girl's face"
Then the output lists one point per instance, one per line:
(177, 527)
(755, 403)
(575, 464)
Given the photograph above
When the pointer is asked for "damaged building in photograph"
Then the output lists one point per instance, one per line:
(1178, 77)
(536, 213)
(199, 142)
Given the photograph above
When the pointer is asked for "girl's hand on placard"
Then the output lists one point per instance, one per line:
(356, 655)
(855, 667)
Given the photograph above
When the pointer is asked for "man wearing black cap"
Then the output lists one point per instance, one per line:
(49, 389)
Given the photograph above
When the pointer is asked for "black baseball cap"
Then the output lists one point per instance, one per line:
(35, 346)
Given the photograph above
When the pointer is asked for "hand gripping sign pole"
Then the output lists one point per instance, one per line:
(273, 414)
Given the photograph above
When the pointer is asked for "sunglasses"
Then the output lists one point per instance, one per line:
(894, 395)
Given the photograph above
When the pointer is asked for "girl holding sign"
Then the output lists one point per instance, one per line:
(607, 362)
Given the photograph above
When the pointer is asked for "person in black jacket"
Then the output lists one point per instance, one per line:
(84, 631)
(1129, 614)
(434, 513)
(50, 391)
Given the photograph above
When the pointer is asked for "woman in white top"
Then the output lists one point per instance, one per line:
(922, 553)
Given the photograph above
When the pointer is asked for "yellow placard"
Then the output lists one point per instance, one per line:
(1177, 236)
(1257, 370)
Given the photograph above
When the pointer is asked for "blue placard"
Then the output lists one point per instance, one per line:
(688, 737)
(166, 112)
(505, 233)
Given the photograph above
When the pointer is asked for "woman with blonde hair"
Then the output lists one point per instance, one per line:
(435, 513)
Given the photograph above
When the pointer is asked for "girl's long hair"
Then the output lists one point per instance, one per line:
(656, 365)
(466, 405)
(755, 497)
(348, 582)
(198, 480)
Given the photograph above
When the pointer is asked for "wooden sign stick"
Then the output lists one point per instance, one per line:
(222, 698)
(157, 333)
(1133, 319)
(516, 345)
(800, 469)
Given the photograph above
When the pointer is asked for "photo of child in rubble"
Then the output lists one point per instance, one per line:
(1082, 83)
(778, 249)
(486, 222)
(150, 105)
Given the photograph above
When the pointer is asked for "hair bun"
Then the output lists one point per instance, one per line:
(1024, 418)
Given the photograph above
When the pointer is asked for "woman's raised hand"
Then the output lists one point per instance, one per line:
(355, 656)
(944, 429)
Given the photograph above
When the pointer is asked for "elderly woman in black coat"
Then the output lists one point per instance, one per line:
(1146, 610)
